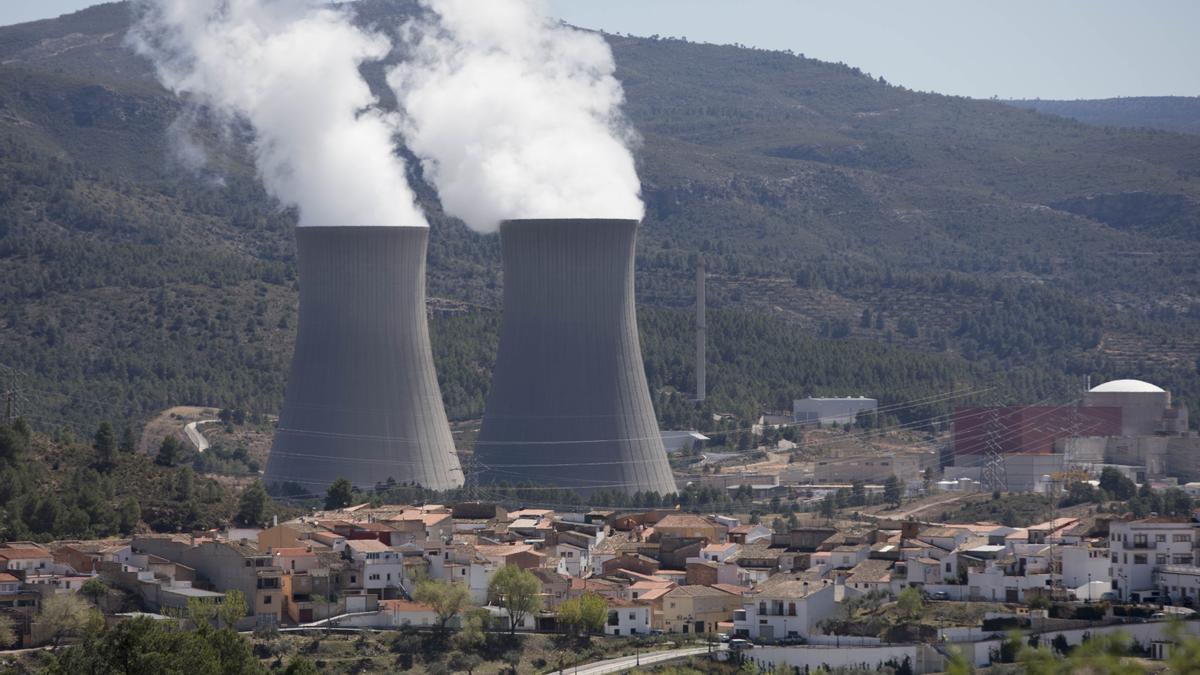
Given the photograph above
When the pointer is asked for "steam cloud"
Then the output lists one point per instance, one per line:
(514, 115)
(290, 68)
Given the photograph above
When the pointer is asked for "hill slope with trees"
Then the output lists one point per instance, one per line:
(921, 241)
(1168, 113)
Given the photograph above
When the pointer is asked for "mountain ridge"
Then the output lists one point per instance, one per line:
(1165, 113)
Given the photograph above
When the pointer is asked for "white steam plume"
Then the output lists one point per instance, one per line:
(290, 68)
(515, 115)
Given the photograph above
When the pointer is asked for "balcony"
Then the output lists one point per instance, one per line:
(1132, 545)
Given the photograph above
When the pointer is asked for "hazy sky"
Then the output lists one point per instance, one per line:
(1009, 48)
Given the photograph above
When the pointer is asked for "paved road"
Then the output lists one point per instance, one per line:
(628, 662)
(195, 436)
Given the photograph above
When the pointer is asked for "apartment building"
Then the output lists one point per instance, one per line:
(785, 606)
(1137, 548)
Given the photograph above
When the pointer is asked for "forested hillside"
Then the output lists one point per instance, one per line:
(862, 239)
(1168, 113)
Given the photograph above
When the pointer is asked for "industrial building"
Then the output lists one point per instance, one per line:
(1127, 424)
(906, 466)
(569, 405)
(362, 400)
(1145, 408)
(841, 410)
(1026, 429)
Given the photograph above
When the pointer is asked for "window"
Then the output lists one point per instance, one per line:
(948, 567)
(1182, 538)
(1183, 560)
(632, 616)
(1139, 540)
(1160, 559)
(1139, 559)
(1114, 558)
(1160, 538)
(353, 578)
(267, 600)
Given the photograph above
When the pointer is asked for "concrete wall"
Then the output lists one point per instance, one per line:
(1143, 633)
(1025, 471)
(1141, 412)
(1183, 457)
(1081, 564)
(923, 659)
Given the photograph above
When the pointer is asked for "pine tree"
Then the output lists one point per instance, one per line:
(105, 443)
(339, 495)
(128, 442)
(252, 507)
(892, 491)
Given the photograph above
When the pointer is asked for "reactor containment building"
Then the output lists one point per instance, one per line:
(362, 400)
(569, 406)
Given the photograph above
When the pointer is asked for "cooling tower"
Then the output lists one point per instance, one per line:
(362, 399)
(569, 405)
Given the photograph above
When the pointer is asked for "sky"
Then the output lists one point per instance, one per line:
(1063, 49)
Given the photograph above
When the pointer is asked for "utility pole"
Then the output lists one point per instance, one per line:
(701, 333)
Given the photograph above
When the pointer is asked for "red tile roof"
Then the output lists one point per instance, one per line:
(730, 588)
(368, 545)
(24, 552)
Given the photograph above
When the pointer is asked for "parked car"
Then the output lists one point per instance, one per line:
(1158, 616)
(939, 595)
(724, 637)
(1108, 596)
(738, 644)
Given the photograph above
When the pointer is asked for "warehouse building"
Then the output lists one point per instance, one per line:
(842, 410)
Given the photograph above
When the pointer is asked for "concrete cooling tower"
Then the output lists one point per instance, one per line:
(569, 405)
(362, 399)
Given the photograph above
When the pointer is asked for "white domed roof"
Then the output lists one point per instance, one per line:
(1127, 387)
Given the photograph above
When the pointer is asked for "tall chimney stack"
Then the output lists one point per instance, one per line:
(701, 333)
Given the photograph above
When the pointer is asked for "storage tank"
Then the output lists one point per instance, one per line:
(1142, 404)
(362, 401)
(569, 405)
